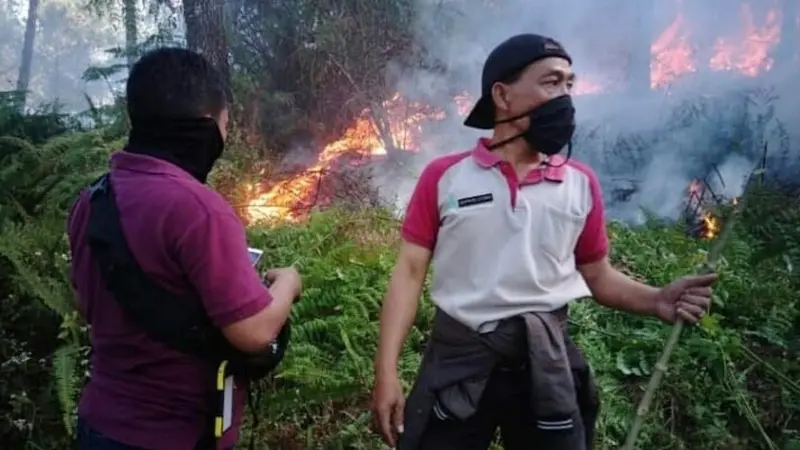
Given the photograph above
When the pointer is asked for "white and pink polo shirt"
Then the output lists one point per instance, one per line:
(503, 246)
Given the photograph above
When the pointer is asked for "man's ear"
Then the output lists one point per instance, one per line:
(500, 96)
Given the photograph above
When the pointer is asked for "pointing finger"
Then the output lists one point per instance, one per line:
(700, 280)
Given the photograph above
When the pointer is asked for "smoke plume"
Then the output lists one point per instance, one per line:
(718, 97)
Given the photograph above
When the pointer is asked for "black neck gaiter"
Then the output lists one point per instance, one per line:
(194, 145)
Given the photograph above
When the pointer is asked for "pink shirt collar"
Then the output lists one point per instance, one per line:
(554, 171)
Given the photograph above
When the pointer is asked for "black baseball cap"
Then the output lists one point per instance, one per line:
(508, 58)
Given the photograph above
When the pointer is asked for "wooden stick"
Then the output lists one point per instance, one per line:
(661, 366)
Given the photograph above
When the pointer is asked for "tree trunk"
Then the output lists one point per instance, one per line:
(205, 32)
(131, 31)
(24, 77)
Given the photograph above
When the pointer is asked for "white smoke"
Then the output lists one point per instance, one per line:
(650, 141)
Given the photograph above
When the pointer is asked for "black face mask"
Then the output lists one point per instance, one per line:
(194, 145)
(552, 125)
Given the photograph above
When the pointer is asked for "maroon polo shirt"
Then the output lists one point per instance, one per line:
(188, 239)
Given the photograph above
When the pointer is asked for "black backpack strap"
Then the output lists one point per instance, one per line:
(175, 321)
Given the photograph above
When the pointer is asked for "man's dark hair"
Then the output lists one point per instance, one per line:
(174, 82)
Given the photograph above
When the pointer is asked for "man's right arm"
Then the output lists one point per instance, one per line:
(256, 332)
(400, 305)
(213, 252)
(420, 230)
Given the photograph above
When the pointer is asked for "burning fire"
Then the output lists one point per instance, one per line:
(368, 137)
(674, 55)
(708, 226)
(671, 54)
(703, 223)
(397, 124)
(750, 54)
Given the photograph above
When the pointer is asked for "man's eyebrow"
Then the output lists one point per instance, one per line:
(560, 74)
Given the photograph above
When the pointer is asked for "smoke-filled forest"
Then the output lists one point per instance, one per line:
(336, 108)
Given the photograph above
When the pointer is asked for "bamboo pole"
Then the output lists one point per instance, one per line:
(712, 258)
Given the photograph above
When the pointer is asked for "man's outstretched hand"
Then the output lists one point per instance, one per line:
(687, 298)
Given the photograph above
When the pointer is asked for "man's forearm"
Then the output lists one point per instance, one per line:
(278, 311)
(613, 289)
(397, 316)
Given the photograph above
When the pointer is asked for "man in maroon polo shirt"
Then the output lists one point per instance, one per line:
(515, 232)
(143, 395)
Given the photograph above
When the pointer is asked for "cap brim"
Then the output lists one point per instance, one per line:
(482, 115)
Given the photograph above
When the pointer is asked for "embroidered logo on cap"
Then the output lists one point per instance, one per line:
(550, 45)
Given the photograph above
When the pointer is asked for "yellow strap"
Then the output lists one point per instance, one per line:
(221, 375)
(221, 372)
(218, 427)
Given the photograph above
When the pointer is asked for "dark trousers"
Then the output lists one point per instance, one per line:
(91, 439)
(505, 404)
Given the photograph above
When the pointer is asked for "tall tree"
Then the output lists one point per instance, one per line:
(131, 20)
(205, 32)
(24, 78)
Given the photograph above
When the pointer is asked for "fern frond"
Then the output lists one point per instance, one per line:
(65, 364)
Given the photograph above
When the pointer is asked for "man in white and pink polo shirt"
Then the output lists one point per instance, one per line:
(515, 232)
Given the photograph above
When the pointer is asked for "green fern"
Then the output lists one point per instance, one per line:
(65, 365)
(38, 184)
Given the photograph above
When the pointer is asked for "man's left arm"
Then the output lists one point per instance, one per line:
(687, 297)
(613, 289)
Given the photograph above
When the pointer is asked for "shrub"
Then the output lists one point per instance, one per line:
(730, 384)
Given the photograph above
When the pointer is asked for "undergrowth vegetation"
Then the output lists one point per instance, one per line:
(732, 384)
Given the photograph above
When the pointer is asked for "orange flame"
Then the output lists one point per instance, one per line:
(291, 199)
(749, 54)
(673, 55)
(709, 225)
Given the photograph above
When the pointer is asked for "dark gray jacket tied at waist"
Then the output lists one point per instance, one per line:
(458, 362)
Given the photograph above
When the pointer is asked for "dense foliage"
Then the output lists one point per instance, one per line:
(732, 384)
